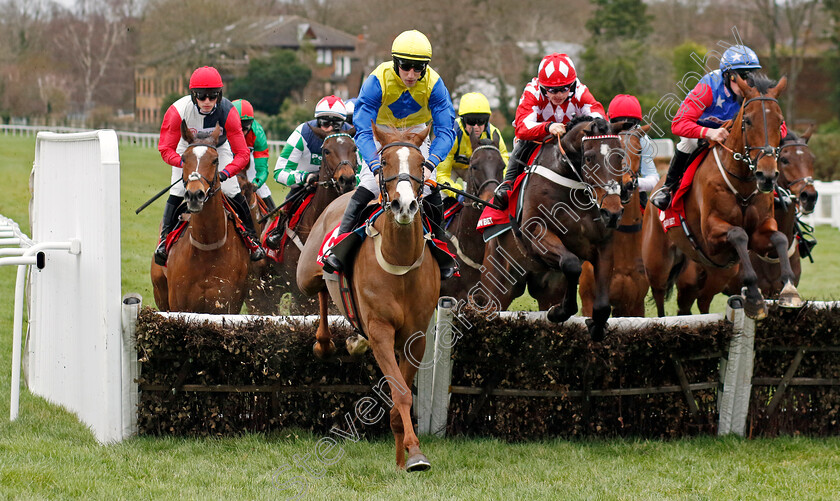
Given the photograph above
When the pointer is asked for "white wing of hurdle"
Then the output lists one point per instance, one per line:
(77, 355)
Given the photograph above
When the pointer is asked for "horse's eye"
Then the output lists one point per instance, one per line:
(326, 152)
(747, 121)
(784, 160)
(215, 161)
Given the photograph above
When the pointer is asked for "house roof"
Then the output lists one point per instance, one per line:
(286, 32)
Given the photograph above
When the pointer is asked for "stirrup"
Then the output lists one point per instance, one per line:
(661, 198)
(447, 272)
(273, 239)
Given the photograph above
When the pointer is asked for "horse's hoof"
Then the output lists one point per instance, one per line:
(418, 462)
(357, 345)
(557, 315)
(324, 353)
(755, 310)
(789, 297)
(596, 332)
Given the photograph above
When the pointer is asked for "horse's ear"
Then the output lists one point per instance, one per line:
(421, 136)
(807, 134)
(746, 91)
(319, 132)
(474, 140)
(351, 132)
(779, 88)
(215, 135)
(186, 133)
(497, 138)
(381, 135)
(646, 127)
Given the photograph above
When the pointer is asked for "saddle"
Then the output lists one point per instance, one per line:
(181, 227)
(675, 214)
(279, 225)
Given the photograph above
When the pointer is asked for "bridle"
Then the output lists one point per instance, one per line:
(611, 186)
(487, 182)
(331, 182)
(197, 176)
(402, 176)
(627, 164)
(766, 150)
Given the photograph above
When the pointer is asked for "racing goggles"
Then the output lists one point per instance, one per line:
(474, 121)
(335, 123)
(204, 95)
(558, 90)
(744, 73)
(408, 65)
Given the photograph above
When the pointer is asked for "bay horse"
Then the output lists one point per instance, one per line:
(336, 176)
(571, 203)
(729, 211)
(628, 283)
(486, 169)
(394, 306)
(207, 267)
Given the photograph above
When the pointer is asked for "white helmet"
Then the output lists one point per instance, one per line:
(331, 106)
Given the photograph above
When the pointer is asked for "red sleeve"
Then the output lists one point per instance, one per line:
(170, 135)
(529, 124)
(595, 108)
(685, 121)
(241, 154)
(784, 129)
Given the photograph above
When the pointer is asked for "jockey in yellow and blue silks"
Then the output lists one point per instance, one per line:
(474, 113)
(405, 93)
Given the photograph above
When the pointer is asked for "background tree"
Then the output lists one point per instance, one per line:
(270, 80)
(798, 16)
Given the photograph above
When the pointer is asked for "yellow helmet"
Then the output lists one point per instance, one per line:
(412, 45)
(473, 102)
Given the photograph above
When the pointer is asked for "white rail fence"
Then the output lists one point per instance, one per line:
(143, 139)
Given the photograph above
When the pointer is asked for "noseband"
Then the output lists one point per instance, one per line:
(331, 182)
(402, 176)
(765, 150)
(611, 186)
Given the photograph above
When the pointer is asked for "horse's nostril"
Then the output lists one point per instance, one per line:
(395, 205)
(412, 207)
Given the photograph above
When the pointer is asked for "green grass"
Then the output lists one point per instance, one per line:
(48, 454)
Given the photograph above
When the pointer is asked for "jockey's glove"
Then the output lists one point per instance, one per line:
(311, 178)
(223, 176)
(257, 182)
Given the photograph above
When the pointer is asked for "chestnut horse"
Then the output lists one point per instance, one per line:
(628, 283)
(336, 177)
(395, 281)
(729, 211)
(208, 266)
(571, 204)
(485, 171)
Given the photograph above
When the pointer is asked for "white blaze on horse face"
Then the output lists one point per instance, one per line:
(199, 152)
(605, 150)
(404, 189)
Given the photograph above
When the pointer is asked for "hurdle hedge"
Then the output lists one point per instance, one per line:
(206, 379)
(654, 382)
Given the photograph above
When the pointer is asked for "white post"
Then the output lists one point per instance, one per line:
(734, 403)
(131, 305)
(425, 373)
(442, 377)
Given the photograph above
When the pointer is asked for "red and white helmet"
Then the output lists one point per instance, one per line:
(331, 106)
(556, 70)
(625, 106)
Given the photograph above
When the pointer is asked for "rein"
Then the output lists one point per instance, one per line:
(197, 176)
(402, 176)
(487, 182)
(331, 182)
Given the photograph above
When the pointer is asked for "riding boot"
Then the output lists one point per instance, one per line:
(269, 203)
(438, 229)
(170, 219)
(249, 235)
(661, 198)
(518, 160)
(361, 197)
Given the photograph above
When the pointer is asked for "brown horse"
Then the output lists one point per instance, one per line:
(336, 177)
(729, 211)
(628, 283)
(485, 170)
(571, 204)
(395, 281)
(208, 266)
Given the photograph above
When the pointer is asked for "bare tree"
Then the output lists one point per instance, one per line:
(799, 15)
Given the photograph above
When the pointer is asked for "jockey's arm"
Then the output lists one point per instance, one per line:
(260, 154)
(690, 111)
(529, 123)
(440, 104)
(588, 105)
(365, 113)
(241, 153)
(287, 170)
(170, 135)
(444, 171)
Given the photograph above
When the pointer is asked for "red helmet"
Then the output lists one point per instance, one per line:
(556, 70)
(625, 106)
(206, 77)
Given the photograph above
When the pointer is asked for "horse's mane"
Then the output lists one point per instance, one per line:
(761, 82)
(578, 119)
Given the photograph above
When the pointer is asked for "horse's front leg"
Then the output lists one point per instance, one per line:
(570, 265)
(755, 307)
(324, 347)
(603, 268)
(789, 296)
